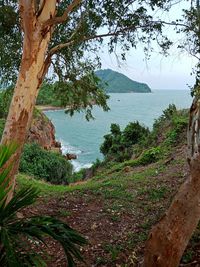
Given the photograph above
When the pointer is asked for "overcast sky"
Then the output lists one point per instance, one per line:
(172, 72)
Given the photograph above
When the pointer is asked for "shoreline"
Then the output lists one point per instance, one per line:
(77, 165)
(48, 107)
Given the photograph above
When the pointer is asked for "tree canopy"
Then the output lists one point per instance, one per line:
(77, 35)
(60, 40)
(79, 30)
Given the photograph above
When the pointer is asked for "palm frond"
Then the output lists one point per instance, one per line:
(6, 153)
(19, 238)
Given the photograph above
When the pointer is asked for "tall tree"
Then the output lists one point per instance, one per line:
(169, 238)
(58, 35)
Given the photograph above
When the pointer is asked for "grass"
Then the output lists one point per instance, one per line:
(49, 189)
(134, 199)
(108, 184)
(120, 191)
(113, 250)
(64, 213)
(122, 201)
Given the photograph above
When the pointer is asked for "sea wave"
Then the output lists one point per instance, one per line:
(67, 148)
(77, 165)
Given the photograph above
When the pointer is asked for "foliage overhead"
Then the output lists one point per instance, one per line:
(123, 22)
(73, 50)
(21, 236)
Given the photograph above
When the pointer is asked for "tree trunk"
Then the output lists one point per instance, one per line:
(31, 74)
(169, 238)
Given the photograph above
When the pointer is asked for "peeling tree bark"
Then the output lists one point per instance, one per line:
(37, 21)
(31, 75)
(169, 238)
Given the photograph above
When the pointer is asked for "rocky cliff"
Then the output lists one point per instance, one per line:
(42, 132)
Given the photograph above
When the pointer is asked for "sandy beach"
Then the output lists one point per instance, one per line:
(46, 107)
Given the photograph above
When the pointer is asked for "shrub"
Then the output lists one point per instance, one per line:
(118, 145)
(179, 125)
(44, 164)
(151, 155)
(96, 164)
(5, 99)
(78, 176)
(134, 133)
(171, 125)
(171, 137)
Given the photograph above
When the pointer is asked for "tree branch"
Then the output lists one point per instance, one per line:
(27, 14)
(109, 34)
(64, 17)
(40, 7)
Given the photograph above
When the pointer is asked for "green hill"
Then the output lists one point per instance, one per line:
(115, 82)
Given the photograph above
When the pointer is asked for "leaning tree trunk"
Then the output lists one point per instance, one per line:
(31, 74)
(169, 238)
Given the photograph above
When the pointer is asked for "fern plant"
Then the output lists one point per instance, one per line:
(21, 237)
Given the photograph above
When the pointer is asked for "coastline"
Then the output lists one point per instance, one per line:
(48, 107)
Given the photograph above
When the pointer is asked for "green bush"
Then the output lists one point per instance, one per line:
(134, 133)
(179, 125)
(151, 155)
(170, 126)
(147, 157)
(44, 164)
(78, 176)
(167, 115)
(96, 164)
(5, 99)
(180, 122)
(118, 145)
(171, 137)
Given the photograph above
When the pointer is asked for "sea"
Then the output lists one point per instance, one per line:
(83, 138)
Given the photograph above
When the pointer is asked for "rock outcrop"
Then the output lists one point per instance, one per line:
(42, 132)
(69, 156)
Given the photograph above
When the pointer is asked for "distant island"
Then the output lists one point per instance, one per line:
(115, 82)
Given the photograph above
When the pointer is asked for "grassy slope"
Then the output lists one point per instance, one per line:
(115, 211)
(117, 208)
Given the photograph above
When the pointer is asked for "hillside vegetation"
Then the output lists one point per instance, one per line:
(126, 197)
(115, 82)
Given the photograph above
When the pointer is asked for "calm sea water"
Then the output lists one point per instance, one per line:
(84, 138)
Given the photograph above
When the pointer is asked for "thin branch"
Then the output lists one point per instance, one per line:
(65, 15)
(78, 27)
(109, 34)
(85, 39)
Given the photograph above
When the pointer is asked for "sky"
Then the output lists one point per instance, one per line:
(172, 72)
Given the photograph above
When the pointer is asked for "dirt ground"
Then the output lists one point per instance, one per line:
(116, 220)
